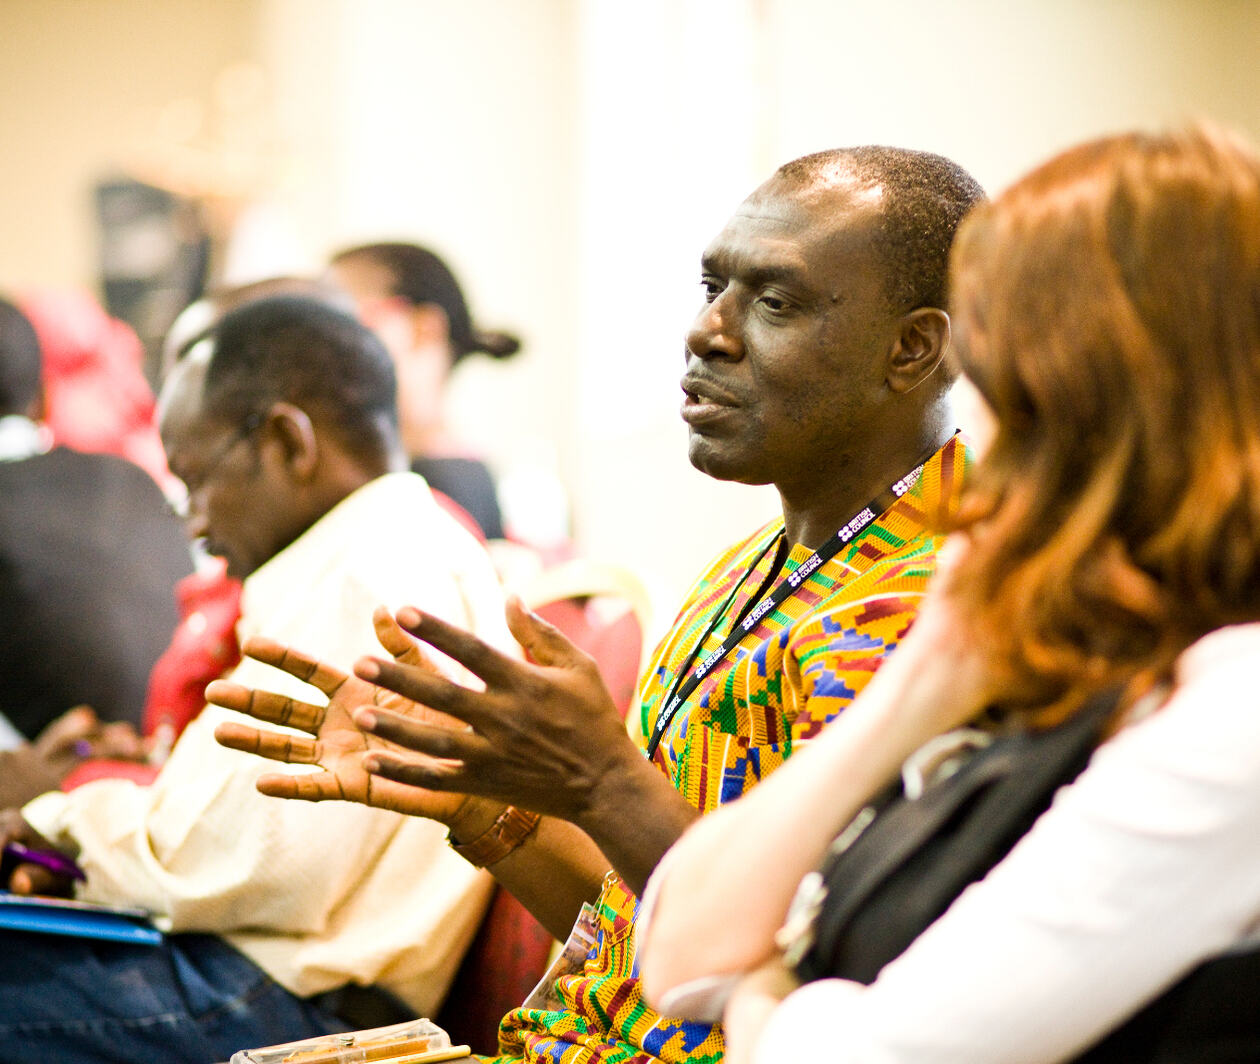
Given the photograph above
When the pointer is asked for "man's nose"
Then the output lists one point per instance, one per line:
(716, 332)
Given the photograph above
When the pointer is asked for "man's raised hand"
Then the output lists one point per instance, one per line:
(544, 734)
(333, 742)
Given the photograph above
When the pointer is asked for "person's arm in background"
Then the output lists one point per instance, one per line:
(1134, 876)
(38, 766)
(200, 847)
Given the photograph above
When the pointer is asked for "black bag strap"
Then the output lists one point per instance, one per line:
(915, 856)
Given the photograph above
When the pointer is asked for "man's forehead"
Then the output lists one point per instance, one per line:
(835, 187)
(782, 221)
(833, 200)
(179, 402)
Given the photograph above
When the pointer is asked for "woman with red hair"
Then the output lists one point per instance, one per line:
(1107, 310)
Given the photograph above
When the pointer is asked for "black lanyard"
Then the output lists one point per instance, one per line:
(689, 678)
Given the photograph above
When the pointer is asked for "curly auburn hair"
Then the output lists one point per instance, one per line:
(1107, 307)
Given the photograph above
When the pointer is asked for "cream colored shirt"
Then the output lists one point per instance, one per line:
(316, 894)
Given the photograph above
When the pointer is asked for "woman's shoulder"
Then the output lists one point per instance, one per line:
(1226, 655)
(1209, 724)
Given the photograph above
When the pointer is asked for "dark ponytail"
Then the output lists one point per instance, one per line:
(419, 276)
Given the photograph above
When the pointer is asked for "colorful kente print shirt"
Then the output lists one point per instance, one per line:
(798, 669)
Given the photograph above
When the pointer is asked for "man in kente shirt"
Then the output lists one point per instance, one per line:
(817, 364)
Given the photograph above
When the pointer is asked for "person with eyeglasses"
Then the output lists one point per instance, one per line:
(281, 424)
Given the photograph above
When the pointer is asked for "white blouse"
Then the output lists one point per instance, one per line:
(1148, 864)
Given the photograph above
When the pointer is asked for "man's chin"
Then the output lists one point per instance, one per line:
(720, 463)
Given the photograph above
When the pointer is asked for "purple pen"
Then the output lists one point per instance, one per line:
(50, 859)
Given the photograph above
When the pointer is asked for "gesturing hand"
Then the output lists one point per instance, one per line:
(336, 744)
(545, 734)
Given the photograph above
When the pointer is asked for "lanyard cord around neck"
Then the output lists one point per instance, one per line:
(691, 674)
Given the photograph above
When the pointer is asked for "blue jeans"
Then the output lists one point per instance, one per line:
(193, 999)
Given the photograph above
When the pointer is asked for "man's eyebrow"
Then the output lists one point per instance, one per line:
(752, 274)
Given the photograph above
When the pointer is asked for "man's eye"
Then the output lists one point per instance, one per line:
(712, 289)
(773, 303)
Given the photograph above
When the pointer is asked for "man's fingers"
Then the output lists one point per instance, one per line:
(400, 645)
(428, 773)
(543, 642)
(446, 743)
(314, 787)
(35, 879)
(264, 705)
(479, 658)
(291, 749)
(306, 668)
(429, 689)
(119, 740)
(72, 726)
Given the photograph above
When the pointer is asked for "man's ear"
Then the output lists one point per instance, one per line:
(291, 429)
(919, 349)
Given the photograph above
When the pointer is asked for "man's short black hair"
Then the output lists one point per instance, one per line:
(20, 361)
(925, 197)
(302, 351)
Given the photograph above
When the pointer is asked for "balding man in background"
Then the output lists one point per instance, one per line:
(282, 426)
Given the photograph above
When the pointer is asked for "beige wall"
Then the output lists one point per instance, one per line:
(83, 83)
(1000, 85)
(571, 157)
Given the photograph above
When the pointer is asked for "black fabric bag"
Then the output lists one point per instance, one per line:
(903, 861)
(878, 891)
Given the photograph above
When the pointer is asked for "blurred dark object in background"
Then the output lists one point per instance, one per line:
(154, 258)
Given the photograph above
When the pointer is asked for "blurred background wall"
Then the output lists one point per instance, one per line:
(570, 158)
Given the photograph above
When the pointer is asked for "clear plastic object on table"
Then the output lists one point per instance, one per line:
(402, 1043)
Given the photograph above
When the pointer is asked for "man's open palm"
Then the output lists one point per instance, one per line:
(335, 744)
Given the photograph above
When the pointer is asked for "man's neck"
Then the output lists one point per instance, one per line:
(813, 512)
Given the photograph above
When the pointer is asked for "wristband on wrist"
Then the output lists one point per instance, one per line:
(512, 827)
